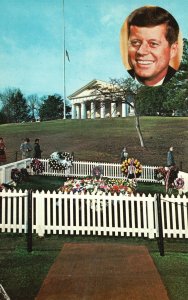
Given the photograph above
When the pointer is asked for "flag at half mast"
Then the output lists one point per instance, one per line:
(67, 55)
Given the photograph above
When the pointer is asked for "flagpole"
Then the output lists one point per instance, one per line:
(64, 67)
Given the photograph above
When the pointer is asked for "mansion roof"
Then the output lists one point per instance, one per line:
(89, 90)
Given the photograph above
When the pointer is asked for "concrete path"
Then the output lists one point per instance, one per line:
(103, 272)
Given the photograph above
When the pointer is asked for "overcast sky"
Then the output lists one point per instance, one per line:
(32, 39)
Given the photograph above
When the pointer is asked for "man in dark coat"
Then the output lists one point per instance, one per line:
(37, 151)
(170, 73)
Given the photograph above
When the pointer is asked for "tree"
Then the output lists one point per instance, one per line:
(14, 105)
(150, 101)
(3, 118)
(122, 90)
(183, 70)
(51, 108)
(176, 88)
(33, 105)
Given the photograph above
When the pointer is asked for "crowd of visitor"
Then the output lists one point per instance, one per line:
(27, 149)
(34, 151)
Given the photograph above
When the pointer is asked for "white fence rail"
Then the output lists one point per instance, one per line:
(84, 168)
(79, 169)
(5, 170)
(85, 214)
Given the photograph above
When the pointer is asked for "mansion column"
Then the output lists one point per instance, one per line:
(124, 109)
(73, 111)
(93, 110)
(83, 110)
(77, 111)
(102, 109)
(113, 109)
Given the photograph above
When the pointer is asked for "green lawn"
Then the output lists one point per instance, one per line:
(103, 139)
(22, 273)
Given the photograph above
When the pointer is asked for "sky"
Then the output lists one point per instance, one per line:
(33, 33)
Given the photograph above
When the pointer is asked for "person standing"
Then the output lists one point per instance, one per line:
(172, 172)
(124, 154)
(26, 148)
(2, 151)
(170, 157)
(37, 150)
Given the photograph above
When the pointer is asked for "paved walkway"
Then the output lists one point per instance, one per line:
(103, 272)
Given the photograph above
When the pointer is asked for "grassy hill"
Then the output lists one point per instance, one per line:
(102, 139)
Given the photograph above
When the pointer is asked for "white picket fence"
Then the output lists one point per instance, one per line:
(79, 169)
(85, 214)
(84, 168)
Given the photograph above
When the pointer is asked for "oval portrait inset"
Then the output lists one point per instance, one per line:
(151, 45)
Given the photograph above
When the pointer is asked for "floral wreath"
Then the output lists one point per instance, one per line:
(131, 168)
(18, 175)
(160, 173)
(170, 177)
(97, 172)
(37, 166)
(168, 174)
(179, 183)
(62, 161)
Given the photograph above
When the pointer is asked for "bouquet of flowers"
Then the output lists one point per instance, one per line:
(37, 166)
(132, 168)
(160, 173)
(60, 161)
(179, 183)
(170, 177)
(18, 175)
(97, 172)
(93, 185)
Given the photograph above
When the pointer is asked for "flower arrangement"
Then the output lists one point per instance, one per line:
(94, 186)
(132, 168)
(160, 173)
(37, 166)
(56, 165)
(101, 186)
(97, 172)
(179, 183)
(170, 177)
(60, 161)
(18, 175)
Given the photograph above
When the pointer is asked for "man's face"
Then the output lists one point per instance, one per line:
(149, 53)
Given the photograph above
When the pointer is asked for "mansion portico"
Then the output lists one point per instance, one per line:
(89, 103)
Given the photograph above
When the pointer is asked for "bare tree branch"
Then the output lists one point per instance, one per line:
(124, 90)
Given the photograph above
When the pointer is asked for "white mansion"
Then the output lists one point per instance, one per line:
(89, 103)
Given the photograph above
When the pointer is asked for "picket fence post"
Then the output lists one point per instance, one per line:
(151, 217)
(40, 207)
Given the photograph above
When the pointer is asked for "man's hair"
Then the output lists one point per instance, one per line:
(149, 16)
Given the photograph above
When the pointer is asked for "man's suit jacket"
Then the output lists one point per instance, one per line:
(170, 73)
